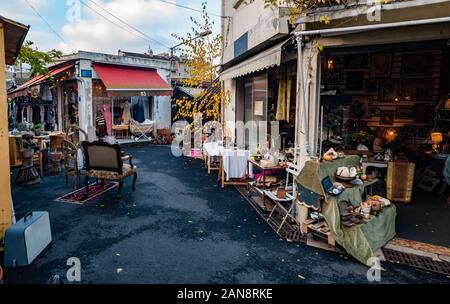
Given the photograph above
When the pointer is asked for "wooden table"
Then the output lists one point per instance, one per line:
(222, 175)
(122, 130)
(264, 170)
(210, 152)
(373, 163)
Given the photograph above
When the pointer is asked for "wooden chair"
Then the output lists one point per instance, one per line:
(105, 162)
(70, 152)
(38, 158)
(73, 134)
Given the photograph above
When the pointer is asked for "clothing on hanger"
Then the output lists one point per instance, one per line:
(138, 112)
(101, 125)
(126, 115)
(36, 113)
(46, 94)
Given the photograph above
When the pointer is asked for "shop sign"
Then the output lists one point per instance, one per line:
(86, 73)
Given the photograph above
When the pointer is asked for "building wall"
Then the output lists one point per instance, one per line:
(5, 184)
(261, 25)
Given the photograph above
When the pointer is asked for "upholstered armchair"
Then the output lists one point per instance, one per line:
(105, 162)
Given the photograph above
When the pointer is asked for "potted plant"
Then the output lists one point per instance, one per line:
(37, 129)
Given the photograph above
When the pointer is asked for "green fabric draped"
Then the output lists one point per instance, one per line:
(360, 241)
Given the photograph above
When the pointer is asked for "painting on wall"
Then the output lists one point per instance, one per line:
(418, 64)
(381, 66)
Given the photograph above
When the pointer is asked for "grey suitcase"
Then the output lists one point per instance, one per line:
(26, 239)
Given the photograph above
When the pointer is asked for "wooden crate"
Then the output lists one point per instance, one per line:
(322, 231)
(400, 181)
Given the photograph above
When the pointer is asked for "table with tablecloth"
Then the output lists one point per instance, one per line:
(234, 166)
(211, 153)
(360, 241)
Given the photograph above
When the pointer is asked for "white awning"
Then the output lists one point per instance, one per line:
(264, 60)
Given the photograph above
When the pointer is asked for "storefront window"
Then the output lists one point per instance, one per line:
(119, 111)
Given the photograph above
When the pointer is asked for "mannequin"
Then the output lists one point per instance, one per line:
(108, 118)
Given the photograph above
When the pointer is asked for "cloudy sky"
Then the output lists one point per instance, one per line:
(92, 28)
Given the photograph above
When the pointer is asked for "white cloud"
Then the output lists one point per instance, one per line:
(94, 33)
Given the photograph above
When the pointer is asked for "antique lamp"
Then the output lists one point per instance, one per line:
(436, 139)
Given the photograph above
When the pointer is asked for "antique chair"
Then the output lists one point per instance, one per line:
(73, 134)
(71, 168)
(105, 162)
(38, 158)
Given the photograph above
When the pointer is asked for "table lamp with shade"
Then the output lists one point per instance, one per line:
(436, 138)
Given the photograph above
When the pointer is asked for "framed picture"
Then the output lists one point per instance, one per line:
(389, 90)
(417, 89)
(428, 183)
(259, 108)
(354, 81)
(381, 66)
(356, 61)
(418, 64)
(387, 118)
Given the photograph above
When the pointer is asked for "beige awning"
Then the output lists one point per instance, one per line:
(264, 60)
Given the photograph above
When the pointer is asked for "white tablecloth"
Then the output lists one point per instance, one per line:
(211, 149)
(234, 162)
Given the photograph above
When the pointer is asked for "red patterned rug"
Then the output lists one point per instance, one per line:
(79, 196)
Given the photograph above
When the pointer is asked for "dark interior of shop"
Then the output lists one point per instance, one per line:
(395, 100)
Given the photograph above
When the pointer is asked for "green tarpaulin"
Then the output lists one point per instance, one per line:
(360, 241)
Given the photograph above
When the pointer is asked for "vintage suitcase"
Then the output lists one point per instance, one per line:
(26, 239)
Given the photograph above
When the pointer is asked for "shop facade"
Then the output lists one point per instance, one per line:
(380, 90)
(377, 91)
(82, 86)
